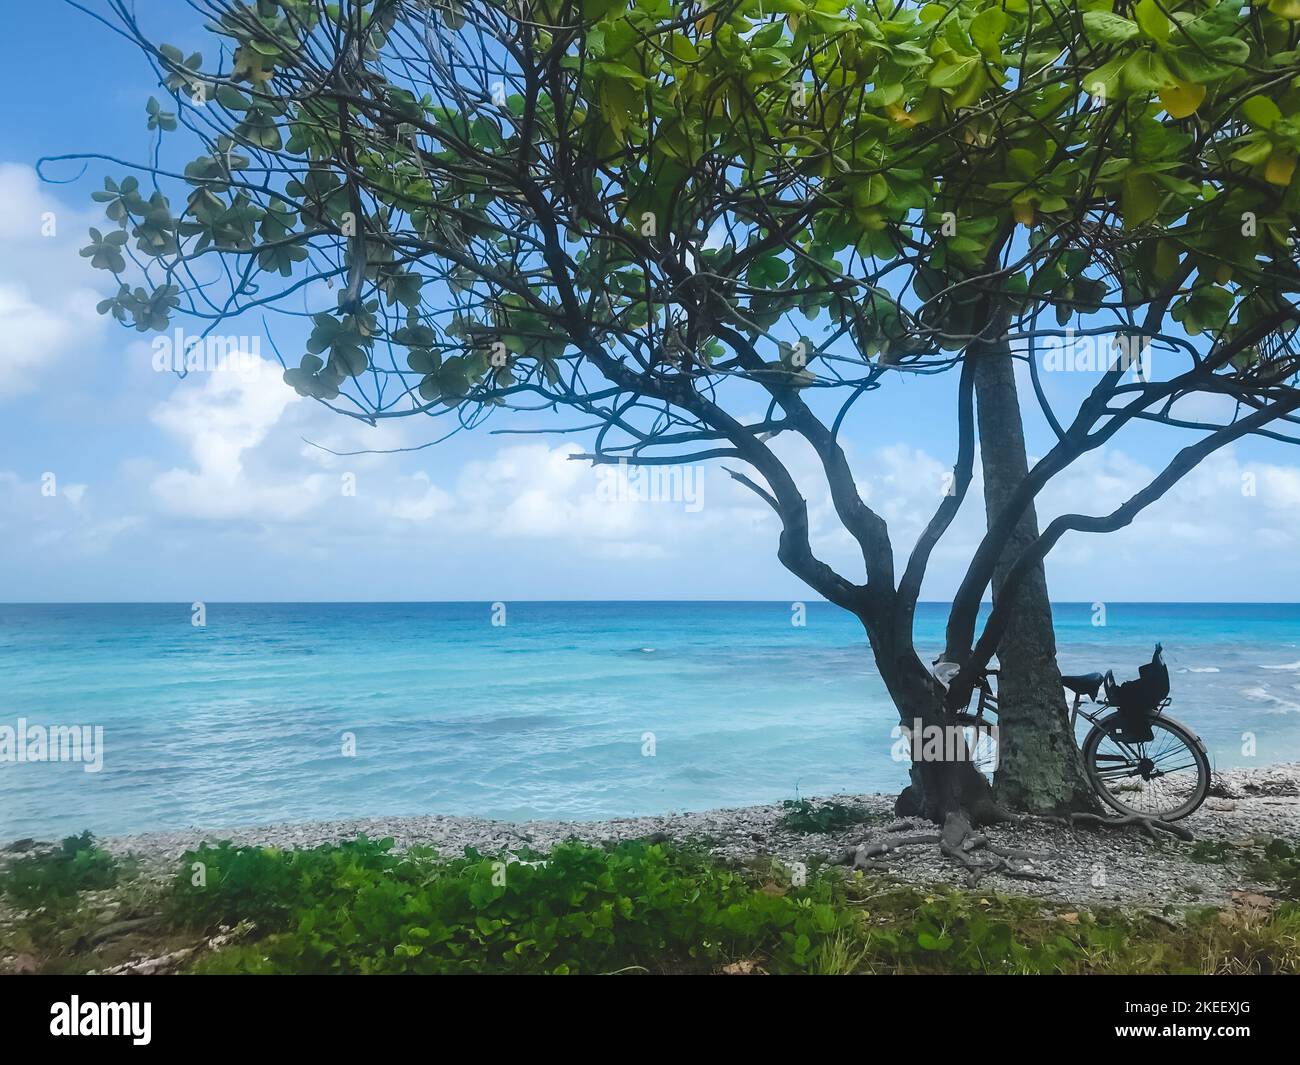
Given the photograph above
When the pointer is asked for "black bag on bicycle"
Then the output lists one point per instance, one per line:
(1138, 701)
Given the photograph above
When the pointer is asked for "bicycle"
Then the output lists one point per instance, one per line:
(1138, 760)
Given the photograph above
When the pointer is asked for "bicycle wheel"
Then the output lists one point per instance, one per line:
(1166, 778)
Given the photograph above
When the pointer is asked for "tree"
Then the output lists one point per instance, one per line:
(642, 211)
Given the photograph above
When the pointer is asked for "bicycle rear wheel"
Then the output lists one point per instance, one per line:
(1166, 778)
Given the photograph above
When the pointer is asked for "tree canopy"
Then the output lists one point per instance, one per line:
(649, 213)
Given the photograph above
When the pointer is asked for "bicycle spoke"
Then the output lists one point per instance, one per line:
(1154, 778)
(1177, 769)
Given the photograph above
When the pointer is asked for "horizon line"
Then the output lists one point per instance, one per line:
(665, 601)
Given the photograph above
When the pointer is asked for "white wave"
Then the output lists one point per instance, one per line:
(1276, 705)
(1288, 665)
(1201, 669)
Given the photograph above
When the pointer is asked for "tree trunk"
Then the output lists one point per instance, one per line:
(939, 786)
(1039, 769)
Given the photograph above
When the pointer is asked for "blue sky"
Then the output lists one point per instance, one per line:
(210, 487)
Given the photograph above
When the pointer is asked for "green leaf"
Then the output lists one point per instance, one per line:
(1022, 163)
(1105, 27)
(1139, 200)
(930, 941)
(1153, 22)
(1145, 71)
(986, 30)
(1260, 112)
(870, 192)
(1211, 61)
(1253, 152)
(951, 75)
(767, 271)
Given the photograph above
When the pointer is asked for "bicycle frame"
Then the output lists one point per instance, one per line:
(989, 701)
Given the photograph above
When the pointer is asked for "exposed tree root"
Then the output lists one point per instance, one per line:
(961, 842)
(1152, 826)
(958, 842)
(859, 856)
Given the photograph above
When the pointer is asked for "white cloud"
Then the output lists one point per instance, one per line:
(426, 501)
(217, 422)
(31, 211)
(241, 450)
(241, 439)
(33, 337)
(47, 298)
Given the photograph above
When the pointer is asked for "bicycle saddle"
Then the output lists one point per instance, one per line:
(1085, 684)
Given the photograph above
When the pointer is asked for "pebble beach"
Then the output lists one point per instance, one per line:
(1087, 867)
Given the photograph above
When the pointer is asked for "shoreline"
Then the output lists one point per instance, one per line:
(1095, 868)
(1076, 899)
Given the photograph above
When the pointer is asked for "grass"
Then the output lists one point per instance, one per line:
(911, 931)
(635, 907)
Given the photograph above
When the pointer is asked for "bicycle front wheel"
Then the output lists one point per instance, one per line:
(981, 739)
(1165, 778)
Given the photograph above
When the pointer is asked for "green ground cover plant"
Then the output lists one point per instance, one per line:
(359, 908)
(804, 815)
(78, 864)
(635, 907)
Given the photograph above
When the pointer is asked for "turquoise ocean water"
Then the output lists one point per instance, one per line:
(569, 710)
